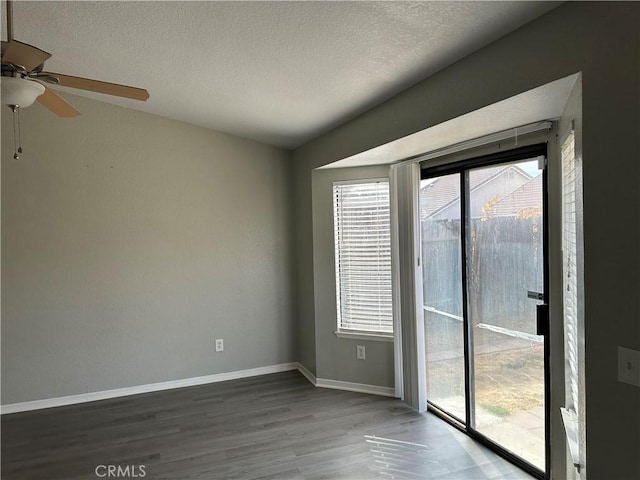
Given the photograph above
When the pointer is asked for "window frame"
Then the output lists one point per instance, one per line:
(351, 333)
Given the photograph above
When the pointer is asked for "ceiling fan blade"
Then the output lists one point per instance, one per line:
(25, 55)
(99, 87)
(57, 104)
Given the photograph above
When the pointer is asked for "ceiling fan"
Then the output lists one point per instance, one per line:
(24, 80)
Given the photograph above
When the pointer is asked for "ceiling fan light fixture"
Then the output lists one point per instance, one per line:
(19, 91)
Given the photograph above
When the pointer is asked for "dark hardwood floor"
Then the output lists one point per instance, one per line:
(275, 426)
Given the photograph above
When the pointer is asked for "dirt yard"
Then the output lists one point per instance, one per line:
(506, 381)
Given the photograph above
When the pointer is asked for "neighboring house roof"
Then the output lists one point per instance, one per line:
(437, 194)
(443, 191)
(523, 201)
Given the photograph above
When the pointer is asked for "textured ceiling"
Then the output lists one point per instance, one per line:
(278, 72)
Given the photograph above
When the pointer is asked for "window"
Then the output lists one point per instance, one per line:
(570, 270)
(362, 232)
(571, 283)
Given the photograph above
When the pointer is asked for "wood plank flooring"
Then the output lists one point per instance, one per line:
(270, 427)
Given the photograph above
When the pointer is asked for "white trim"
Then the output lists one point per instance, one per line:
(310, 376)
(570, 129)
(395, 285)
(355, 387)
(514, 132)
(406, 181)
(190, 382)
(349, 386)
(376, 337)
(361, 180)
(152, 387)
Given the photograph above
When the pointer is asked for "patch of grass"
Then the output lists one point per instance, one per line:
(515, 365)
(496, 409)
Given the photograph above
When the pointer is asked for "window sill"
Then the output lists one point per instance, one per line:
(376, 337)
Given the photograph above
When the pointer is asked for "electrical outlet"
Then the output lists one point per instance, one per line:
(629, 366)
(219, 345)
(361, 354)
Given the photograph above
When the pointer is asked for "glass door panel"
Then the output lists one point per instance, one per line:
(483, 267)
(442, 284)
(505, 261)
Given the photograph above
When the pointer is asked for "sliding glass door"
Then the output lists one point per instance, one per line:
(442, 296)
(484, 249)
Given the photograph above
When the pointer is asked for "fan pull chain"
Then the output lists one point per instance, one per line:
(19, 133)
(16, 142)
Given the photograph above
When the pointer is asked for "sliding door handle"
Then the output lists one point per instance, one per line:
(535, 295)
(542, 319)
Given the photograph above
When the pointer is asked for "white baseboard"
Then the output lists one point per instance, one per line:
(304, 371)
(356, 387)
(190, 382)
(350, 386)
(153, 387)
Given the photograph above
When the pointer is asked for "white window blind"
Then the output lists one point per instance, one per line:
(570, 271)
(362, 232)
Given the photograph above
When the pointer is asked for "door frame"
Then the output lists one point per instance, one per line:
(462, 167)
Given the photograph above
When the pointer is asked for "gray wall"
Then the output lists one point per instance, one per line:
(129, 243)
(336, 357)
(601, 41)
